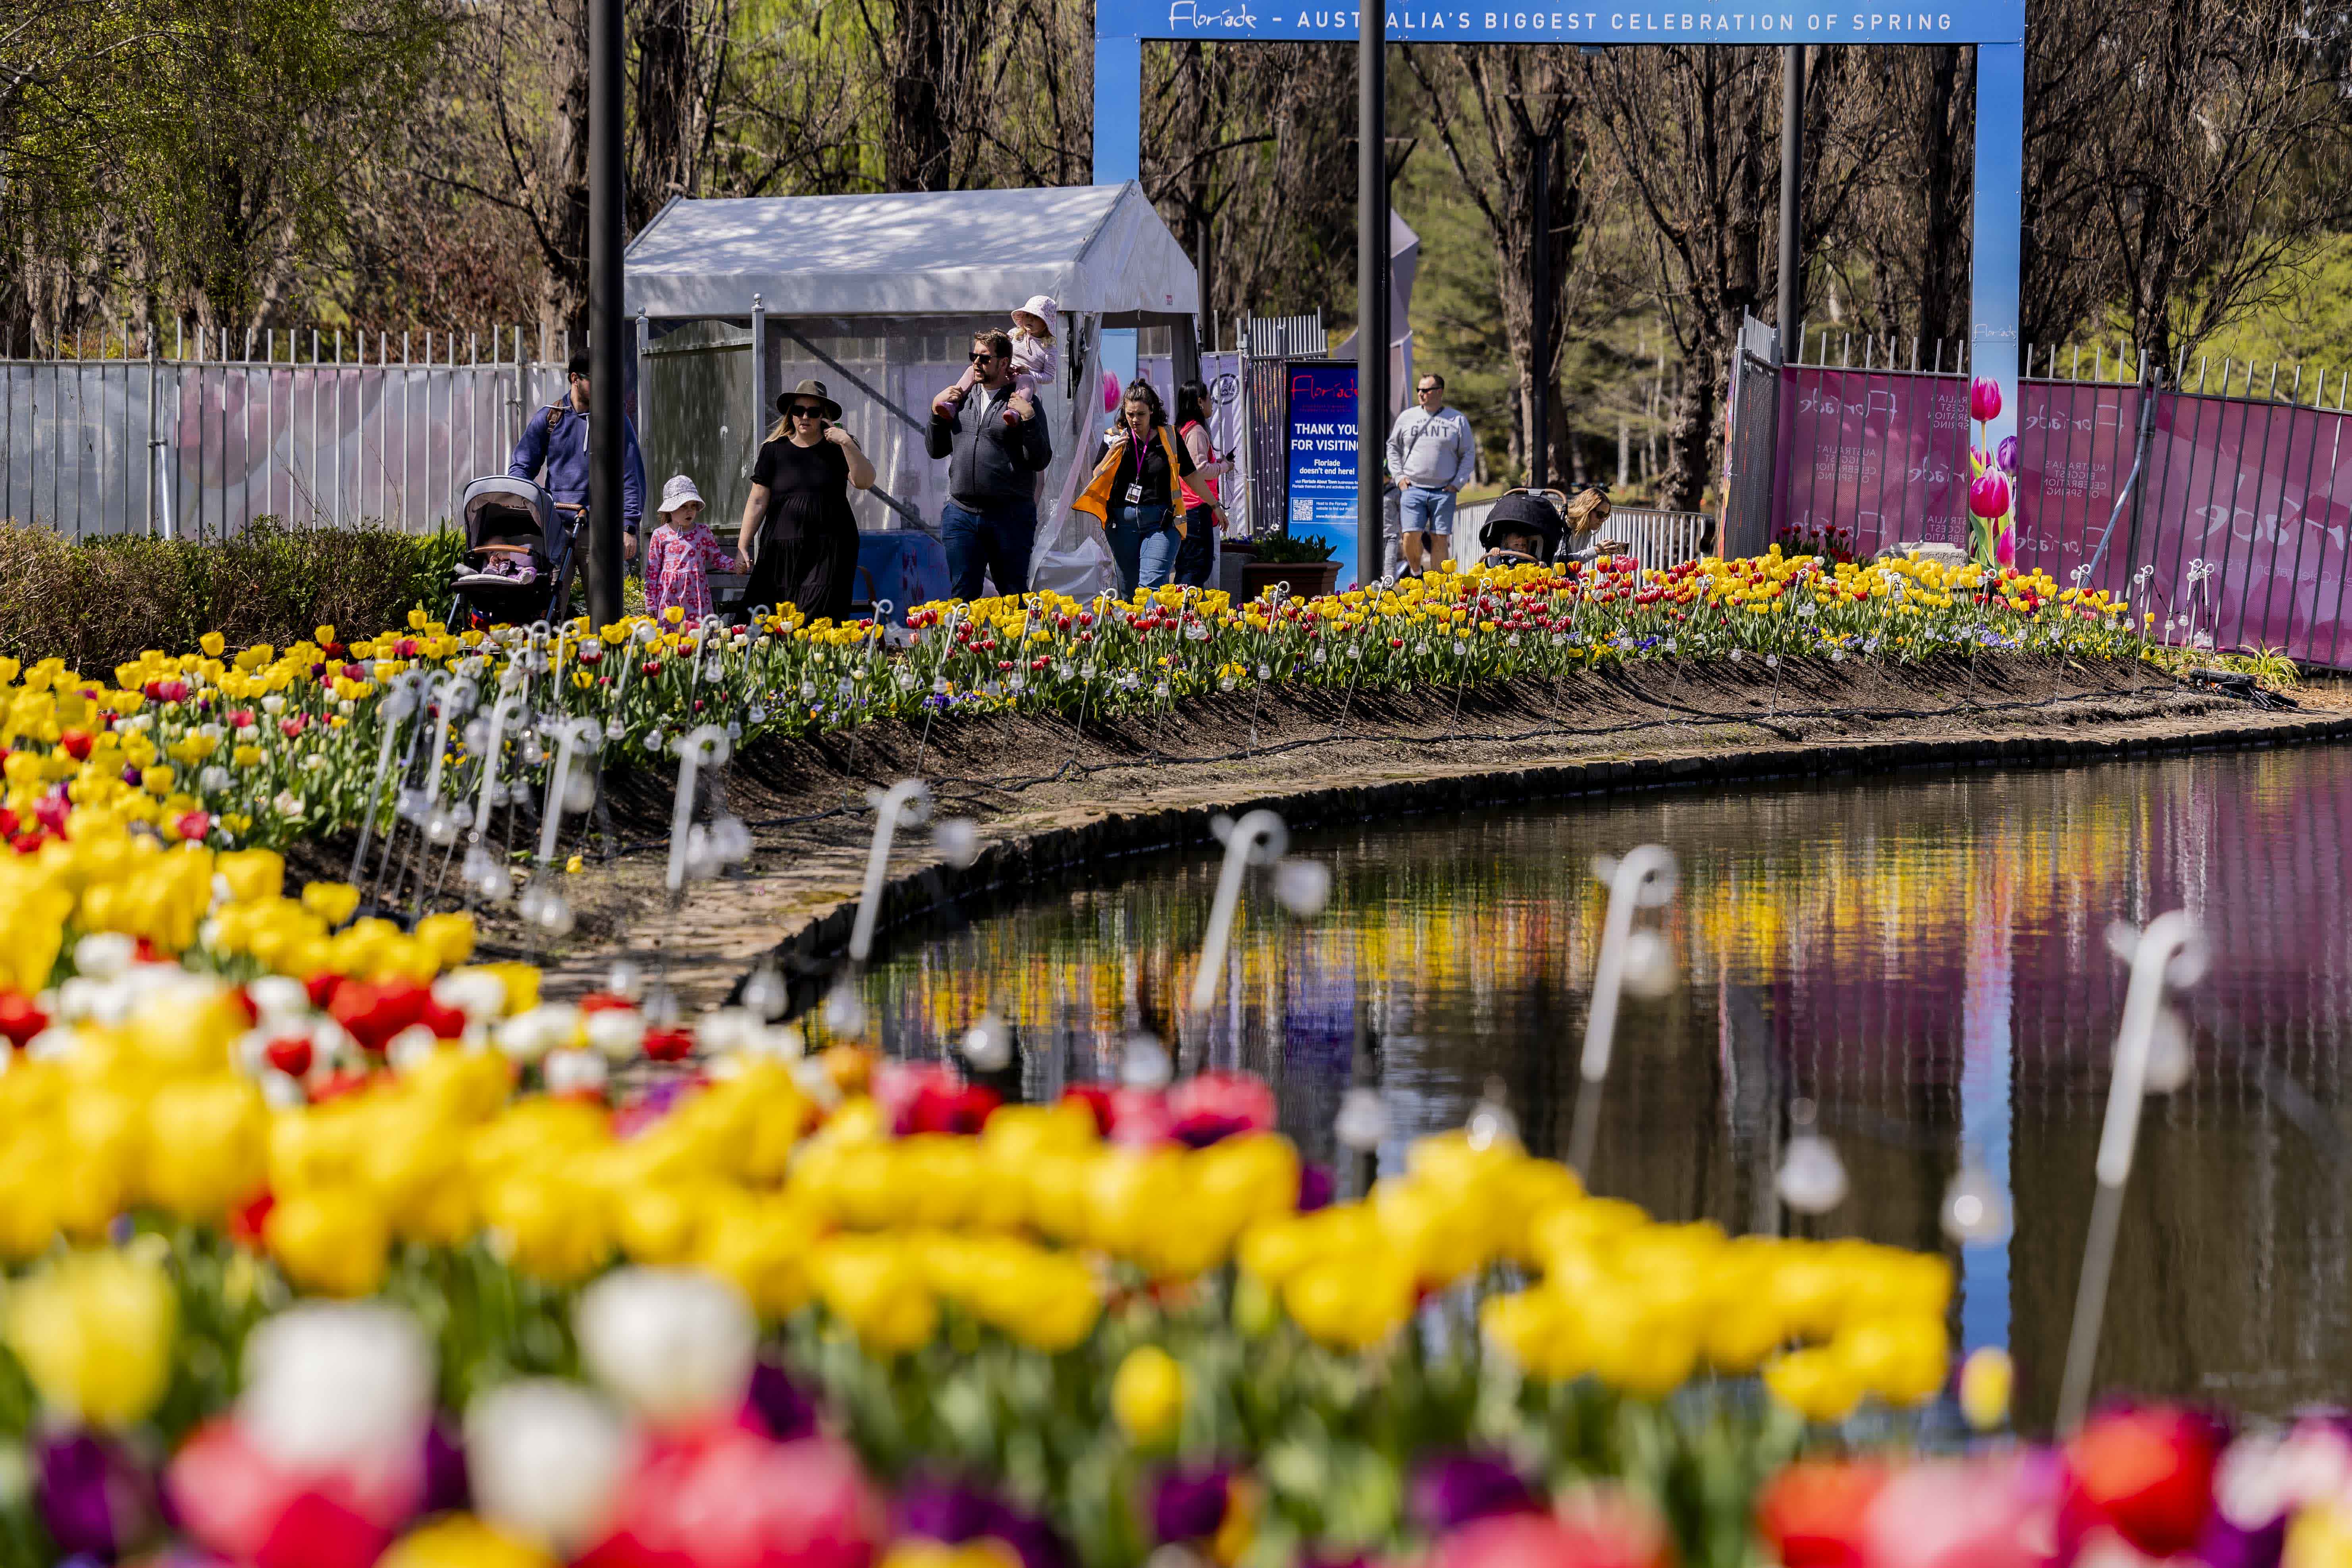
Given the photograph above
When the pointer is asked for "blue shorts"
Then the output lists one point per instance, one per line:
(1424, 508)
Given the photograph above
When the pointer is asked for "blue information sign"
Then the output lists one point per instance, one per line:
(1320, 430)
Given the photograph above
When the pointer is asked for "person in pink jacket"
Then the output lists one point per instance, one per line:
(683, 550)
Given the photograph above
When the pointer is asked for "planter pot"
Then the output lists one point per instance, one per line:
(1307, 579)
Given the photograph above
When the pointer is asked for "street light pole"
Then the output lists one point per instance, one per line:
(1792, 185)
(1371, 282)
(606, 332)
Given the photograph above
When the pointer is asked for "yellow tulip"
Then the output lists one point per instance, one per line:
(332, 902)
(207, 1148)
(1815, 1384)
(1147, 1395)
(333, 1240)
(1535, 1329)
(763, 1248)
(461, 1541)
(251, 874)
(871, 1284)
(2319, 1537)
(547, 1223)
(1352, 1301)
(1985, 1378)
(94, 1332)
(1903, 1359)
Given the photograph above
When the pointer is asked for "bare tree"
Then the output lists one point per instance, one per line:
(1496, 110)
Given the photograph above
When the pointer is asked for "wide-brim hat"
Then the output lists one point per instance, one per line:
(814, 389)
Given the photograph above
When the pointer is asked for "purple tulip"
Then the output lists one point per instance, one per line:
(1989, 496)
(1984, 399)
(1190, 1505)
(1452, 1492)
(445, 1488)
(1315, 1189)
(2009, 453)
(778, 1402)
(93, 1497)
(953, 1515)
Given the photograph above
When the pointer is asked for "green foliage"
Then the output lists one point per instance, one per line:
(97, 603)
(1284, 549)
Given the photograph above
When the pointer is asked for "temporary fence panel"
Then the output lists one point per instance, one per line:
(699, 419)
(2236, 532)
(1661, 539)
(1751, 441)
(198, 447)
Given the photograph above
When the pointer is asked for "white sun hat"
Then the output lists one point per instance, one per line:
(676, 494)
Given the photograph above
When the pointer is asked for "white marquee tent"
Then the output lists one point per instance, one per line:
(876, 296)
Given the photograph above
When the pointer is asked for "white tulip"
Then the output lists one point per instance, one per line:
(527, 1036)
(574, 1072)
(277, 998)
(618, 1032)
(103, 956)
(329, 1384)
(674, 1346)
(546, 1460)
(473, 992)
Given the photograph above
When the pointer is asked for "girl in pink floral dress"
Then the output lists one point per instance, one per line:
(682, 550)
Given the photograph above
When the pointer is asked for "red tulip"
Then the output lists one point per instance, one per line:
(20, 1017)
(76, 743)
(668, 1044)
(290, 1054)
(2145, 1474)
(1214, 1105)
(1812, 1512)
(374, 1013)
(192, 825)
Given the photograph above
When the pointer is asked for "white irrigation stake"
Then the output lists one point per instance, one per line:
(399, 702)
(703, 746)
(904, 804)
(541, 907)
(494, 882)
(1259, 838)
(1644, 879)
(2170, 950)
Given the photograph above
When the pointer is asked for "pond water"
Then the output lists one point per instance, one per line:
(1924, 958)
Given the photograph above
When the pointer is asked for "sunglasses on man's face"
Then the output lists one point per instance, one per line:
(1427, 390)
(985, 358)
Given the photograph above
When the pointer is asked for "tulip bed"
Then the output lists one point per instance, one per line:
(267, 746)
(392, 1262)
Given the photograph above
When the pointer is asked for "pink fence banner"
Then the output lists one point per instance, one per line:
(2253, 493)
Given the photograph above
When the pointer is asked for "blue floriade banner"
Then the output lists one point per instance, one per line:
(1967, 22)
(1320, 438)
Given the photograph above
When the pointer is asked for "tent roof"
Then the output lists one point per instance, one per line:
(1096, 250)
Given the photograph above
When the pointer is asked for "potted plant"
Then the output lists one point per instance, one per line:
(1304, 563)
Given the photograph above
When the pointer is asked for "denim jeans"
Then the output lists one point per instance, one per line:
(994, 541)
(1143, 542)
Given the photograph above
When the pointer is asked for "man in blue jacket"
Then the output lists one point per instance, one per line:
(556, 438)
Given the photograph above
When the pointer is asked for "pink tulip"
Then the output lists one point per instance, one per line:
(1984, 399)
(2004, 548)
(1980, 1514)
(1989, 496)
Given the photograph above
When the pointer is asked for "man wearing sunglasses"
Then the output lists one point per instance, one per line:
(990, 521)
(1431, 454)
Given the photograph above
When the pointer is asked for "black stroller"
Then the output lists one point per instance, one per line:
(521, 552)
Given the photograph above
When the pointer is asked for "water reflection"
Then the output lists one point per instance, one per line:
(1924, 959)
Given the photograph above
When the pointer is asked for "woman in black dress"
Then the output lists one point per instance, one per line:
(797, 527)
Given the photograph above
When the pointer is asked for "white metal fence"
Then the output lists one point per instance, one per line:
(315, 429)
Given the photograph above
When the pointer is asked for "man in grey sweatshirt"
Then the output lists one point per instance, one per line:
(1432, 455)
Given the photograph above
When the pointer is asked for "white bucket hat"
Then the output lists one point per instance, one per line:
(1042, 305)
(676, 494)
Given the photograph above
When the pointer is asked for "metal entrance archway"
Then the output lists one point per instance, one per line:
(1996, 26)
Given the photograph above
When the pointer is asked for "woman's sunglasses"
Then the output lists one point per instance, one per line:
(807, 411)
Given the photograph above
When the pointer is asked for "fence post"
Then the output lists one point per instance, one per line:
(759, 381)
(154, 446)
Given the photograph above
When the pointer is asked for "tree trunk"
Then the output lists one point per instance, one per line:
(665, 121)
(916, 148)
(1690, 439)
(563, 287)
